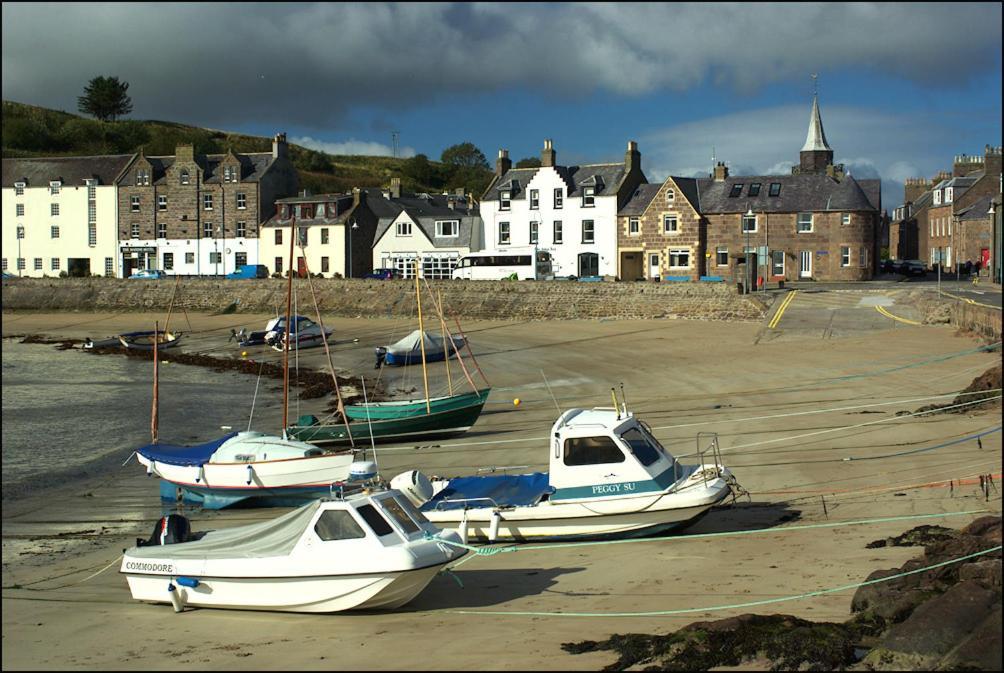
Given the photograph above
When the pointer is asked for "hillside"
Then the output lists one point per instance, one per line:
(31, 131)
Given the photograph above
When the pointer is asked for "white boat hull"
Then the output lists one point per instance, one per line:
(255, 477)
(379, 591)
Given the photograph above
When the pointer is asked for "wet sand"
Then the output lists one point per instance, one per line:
(681, 377)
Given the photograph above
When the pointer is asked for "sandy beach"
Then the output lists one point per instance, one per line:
(807, 424)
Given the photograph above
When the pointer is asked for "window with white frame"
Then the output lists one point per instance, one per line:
(215, 257)
(534, 232)
(948, 194)
(679, 258)
(134, 230)
(588, 231)
(4, 263)
(534, 199)
(845, 218)
(240, 259)
(189, 258)
(168, 261)
(92, 234)
(207, 230)
(749, 224)
(54, 187)
(162, 230)
(559, 236)
(161, 202)
(109, 267)
(242, 229)
(38, 264)
(19, 210)
(559, 197)
(439, 267)
(503, 233)
(143, 177)
(634, 226)
(20, 231)
(722, 256)
(804, 223)
(404, 228)
(54, 231)
(777, 262)
(20, 263)
(937, 197)
(670, 224)
(242, 200)
(54, 209)
(184, 177)
(18, 191)
(505, 197)
(845, 255)
(134, 203)
(670, 196)
(207, 201)
(448, 228)
(588, 197)
(54, 264)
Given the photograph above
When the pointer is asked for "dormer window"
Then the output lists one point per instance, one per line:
(937, 197)
(142, 177)
(184, 178)
(54, 187)
(670, 196)
(754, 189)
(775, 189)
(447, 228)
(505, 199)
(285, 212)
(19, 188)
(588, 197)
(404, 228)
(737, 189)
(948, 195)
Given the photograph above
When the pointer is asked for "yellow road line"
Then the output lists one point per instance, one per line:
(781, 309)
(971, 301)
(886, 313)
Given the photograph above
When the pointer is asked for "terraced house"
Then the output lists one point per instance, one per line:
(60, 215)
(567, 211)
(199, 214)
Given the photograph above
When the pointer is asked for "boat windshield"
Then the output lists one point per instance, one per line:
(407, 525)
(375, 520)
(410, 509)
(644, 448)
(337, 524)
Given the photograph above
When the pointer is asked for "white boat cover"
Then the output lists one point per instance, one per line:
(259, 540)
(413, 343)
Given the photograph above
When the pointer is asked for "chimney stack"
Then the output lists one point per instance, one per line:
(632, 158)
(395, 188)
(547, 155)
(992, 160)
(721, 171)
(503, 163)
(280, 150)
(913, 188)
(184, 153)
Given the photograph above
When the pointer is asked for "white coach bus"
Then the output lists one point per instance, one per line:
(526, 263)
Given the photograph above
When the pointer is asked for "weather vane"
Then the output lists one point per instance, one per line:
(814, 90)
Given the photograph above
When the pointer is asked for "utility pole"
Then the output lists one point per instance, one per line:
(394, 135)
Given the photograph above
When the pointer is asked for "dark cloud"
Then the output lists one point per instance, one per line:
(309, 64)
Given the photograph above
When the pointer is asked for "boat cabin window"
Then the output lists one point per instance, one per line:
(592, 451)
(641, 447)
(337, 524)
(412, 511)
(375, 520)
(407, 525)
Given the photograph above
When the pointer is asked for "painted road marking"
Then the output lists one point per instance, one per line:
(971, 301)
(881, 309)
(781, 309)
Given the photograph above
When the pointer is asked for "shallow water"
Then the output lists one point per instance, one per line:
(70, 414)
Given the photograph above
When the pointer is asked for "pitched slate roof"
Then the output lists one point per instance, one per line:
(978, 210)
(639, 201)
(344, 202)
(606, 178)
(253, 166)
(71, 170)
(805, 192)
(424, 211)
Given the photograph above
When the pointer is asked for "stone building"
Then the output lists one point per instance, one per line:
(60, 215)
(904, 229)
(192, 214)
(661, 232)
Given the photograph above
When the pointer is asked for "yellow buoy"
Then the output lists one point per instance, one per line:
(244, 354)
(515, 402)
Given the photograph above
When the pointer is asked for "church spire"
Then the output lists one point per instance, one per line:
(816, 156)
(815, 139)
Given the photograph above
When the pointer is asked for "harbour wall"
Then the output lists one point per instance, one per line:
(500, 300)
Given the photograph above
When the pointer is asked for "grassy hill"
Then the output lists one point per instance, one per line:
(31, 131)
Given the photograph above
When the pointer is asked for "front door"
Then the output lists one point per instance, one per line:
(805, 268)
(589, 264)
(653, 266)
(301, 267)
(984, 257)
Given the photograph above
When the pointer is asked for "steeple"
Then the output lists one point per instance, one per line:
(816, 139)
(816, 156)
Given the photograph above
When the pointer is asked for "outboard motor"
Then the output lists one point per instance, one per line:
(170, 529)
(414, 485)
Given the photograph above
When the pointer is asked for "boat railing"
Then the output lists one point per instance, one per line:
(713, 449)
(503, 469)
(466, 500)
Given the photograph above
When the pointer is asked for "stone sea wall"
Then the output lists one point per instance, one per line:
(501, 300)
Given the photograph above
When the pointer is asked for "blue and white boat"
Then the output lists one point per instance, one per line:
(408, 351)
(609, 477)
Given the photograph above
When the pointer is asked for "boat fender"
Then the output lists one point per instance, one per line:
(250, 474)
(149, 468)
(462, 530)
(493, 529)
(176, 600)
(202, 474)
(189, 582)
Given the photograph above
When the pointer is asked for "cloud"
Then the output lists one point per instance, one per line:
(311, 65)
(353, 147)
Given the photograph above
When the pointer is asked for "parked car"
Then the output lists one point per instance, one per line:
(249, 271)
(913, 267)
(149, 274)
(383, 274)
(891, 265)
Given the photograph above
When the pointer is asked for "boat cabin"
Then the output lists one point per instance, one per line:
(605, 452)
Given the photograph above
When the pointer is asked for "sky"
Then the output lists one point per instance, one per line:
(902, 87)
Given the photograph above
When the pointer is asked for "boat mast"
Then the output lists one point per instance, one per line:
(285, 349)
(421, 334)
(153, 413)
(446, 350)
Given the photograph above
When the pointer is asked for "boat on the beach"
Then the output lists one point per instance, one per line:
(419, 345)
(143, 340)
(609, 477)
(409, 408)
(368, 551)
(243, 465)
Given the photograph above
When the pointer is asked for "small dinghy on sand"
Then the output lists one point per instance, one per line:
(369, 551)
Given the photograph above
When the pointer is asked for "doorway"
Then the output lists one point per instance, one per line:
(589, 264)
(632, 266)
(653, 266)
(805, 264)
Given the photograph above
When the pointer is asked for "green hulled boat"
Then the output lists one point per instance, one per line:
(409, 408)
(423, 425)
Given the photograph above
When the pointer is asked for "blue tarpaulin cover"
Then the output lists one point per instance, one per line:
(522, 489)
(183, 455)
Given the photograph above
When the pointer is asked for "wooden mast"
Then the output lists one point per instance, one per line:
(285, 349)
(154, 421)
(421, 335)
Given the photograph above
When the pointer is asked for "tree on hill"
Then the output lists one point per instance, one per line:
(528, 162)
(464, 155)
(105, 99)
(466, 167)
